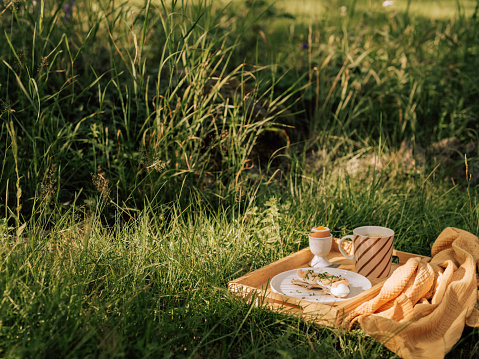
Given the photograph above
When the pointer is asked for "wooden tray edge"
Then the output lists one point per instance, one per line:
(323, 313)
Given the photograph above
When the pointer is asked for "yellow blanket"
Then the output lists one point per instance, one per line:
(423, 307)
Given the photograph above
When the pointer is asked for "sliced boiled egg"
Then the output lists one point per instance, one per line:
(341, 290)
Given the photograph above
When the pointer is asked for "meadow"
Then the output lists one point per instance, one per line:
(152, 151)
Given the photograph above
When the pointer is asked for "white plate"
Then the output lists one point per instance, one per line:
(281, 284)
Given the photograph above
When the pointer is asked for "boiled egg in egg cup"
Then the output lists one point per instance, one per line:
(320, 241)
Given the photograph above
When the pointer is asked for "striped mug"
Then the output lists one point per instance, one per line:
(373, 250)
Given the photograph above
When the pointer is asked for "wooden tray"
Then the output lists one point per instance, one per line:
(254, 287)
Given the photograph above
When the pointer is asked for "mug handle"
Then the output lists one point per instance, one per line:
(341, 247)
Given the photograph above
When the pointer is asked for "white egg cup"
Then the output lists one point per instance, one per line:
(320, 247)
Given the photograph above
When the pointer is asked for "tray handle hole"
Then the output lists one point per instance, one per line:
(395, 259)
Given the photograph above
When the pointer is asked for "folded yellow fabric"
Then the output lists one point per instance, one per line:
(423, 307)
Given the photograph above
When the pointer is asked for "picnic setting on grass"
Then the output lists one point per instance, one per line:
(239, 179)
(418, 308)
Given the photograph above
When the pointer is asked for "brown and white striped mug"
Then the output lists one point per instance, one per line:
(373, 250)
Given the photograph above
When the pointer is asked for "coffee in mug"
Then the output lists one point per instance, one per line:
(373, 250)
(373, 235)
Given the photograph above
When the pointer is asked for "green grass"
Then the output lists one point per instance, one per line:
(157, 284)
(154, 151)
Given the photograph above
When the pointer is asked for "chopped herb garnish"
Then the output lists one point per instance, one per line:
(311, 275)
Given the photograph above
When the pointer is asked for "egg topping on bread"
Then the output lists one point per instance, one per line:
(335, 285)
